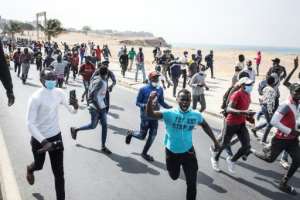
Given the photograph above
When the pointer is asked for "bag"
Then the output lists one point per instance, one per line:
(225, 97)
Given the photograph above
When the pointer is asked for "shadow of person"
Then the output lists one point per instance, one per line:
(114, 115)
(115, 107)
(269, 173)
(126, 164)
(202, 178)
(33, 85)
(117, 130)
(260, 189)
(38, 196)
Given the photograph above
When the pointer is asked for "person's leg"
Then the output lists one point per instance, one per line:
(153, 125)
(57, 165)
(144, 72)
(230, 130)
(202, 102)
(103, 121)
(85, 93)
(183, 72)
(16, 66)
(94, 121)
(19, 69)
(137, 71)
(277, 146)
(212, 71)
(173, 164)
(144, 127)
(195, 101)
(284, 156)
(244, 138)
(293, 150)
(130, 64)
(257, 69)
(190, 168)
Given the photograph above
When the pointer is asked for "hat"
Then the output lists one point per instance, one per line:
(245, 81)
(276, 60)
(106, 62)
(153, 74)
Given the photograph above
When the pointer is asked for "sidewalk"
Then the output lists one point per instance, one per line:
(214, 96)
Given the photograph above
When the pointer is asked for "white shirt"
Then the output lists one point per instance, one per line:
(101, 95)
(42, 113)
(185, 61)
(59, 68)
(251, 73)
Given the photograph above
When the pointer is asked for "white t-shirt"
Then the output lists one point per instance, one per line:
(42, 112)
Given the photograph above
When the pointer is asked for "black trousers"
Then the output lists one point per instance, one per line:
(243, 135)
(188, 161)
(18, 68)
(184, 76)
(279, 145)
(57, 165)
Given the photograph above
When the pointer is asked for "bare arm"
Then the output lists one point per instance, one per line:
(287, 82)
(232, 109)
(209, 132)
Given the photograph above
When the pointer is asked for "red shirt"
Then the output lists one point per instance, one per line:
(258, 59)
(87, 70)
(242, 101)
(98, 53)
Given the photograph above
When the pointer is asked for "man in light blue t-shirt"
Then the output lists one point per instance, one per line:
(180, 123)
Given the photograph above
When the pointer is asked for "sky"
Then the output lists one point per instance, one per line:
(224, 22)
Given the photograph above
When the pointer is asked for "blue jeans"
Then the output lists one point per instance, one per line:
(140, 66)
(95, 117)
(267, 124)
(145, 126)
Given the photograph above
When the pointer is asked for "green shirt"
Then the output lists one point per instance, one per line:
(131, 55)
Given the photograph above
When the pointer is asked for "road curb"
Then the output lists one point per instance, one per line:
(9, 187)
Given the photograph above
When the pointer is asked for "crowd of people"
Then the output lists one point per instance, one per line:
(56, 61)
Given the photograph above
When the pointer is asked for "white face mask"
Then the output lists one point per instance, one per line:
(155, 84)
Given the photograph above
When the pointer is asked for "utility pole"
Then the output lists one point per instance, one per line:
(38, 15)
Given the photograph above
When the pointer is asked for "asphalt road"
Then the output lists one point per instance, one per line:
(91, 175)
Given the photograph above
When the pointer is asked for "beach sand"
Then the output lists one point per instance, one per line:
(225, 60)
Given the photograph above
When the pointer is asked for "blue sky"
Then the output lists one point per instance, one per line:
(234, 22)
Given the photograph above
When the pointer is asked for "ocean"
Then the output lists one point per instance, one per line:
(279, 50)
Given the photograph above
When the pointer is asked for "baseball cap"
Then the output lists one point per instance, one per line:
(153, 74)
(245, 81)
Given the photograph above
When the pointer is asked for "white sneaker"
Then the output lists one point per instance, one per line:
(231, 165)
(284, 164)
(215, 164)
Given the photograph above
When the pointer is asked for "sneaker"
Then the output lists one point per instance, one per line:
(106, 150)
(148, 157)
(30, 176)
(231, 165)
(215, 164)
(284, 164)
(287, 188)
(128, 137)
(73, 133)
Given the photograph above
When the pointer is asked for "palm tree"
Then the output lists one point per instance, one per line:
(86, 29)
(12, 27)
(52, 28)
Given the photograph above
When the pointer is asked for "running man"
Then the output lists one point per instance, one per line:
(42, 122)
(180, 122)
(148, 123)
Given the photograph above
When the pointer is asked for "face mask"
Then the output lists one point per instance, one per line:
(155, 84)
(50, 84)
(248, 89)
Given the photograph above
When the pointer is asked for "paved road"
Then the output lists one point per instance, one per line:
(124, 175)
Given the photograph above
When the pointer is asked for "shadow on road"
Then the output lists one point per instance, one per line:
(260, 189)
(114, 107)
(202, 178)
(114, 115)
(38, 196)
(117, 130)
(127, 164)
(33, 85)
(269, 173)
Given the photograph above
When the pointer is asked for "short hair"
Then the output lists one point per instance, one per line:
(184, 91)
(270, 80)
(243, 74)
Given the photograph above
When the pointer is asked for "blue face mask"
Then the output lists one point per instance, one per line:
(50, 84)
(248, 88)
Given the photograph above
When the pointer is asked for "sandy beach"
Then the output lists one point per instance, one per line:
(225, 60)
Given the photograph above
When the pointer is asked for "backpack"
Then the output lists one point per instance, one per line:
(225, 98)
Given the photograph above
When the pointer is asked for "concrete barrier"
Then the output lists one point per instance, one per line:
(9, 187)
